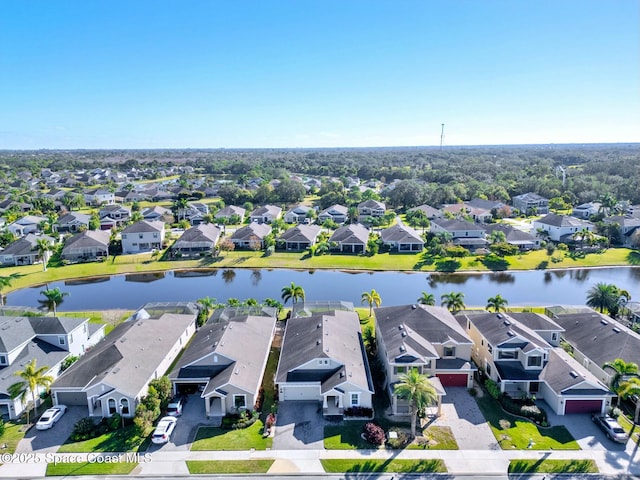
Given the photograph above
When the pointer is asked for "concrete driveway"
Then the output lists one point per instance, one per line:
(460, 412)
(299, 426)
(48, 441)
(587, 434)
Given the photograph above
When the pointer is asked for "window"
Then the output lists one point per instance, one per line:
(507, 354)
(155, 235)
(61, 340)
(488, 369)
(124, 406)
(3, 360)
(112, 406)
(490, 348)
(399, 370)
(140, 236)
(449, 351)
(534, 362)
(355, 399)
(124, 236)
(554, 336)
(239, 401)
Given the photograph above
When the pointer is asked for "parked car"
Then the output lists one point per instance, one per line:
(164, 429)
(50, 417)
(174, 409)
(611, 428)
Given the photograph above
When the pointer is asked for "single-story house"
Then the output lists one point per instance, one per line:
(351, 238)
(231, 211)
(23, 251)
(88, 245)
(25, 225)
(197, 240)
(265, 214)
(298, 214)
(73, 222)
(336, 213)
(514, 236)
(300, 237)
(402, 238)
(251, 236)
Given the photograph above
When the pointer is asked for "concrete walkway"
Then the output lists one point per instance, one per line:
(458, 462)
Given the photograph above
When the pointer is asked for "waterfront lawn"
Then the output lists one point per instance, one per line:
(212, 438)
(228, 466)
(86, 468)
(553, 466)
(121, 440)
(382, 466)
(521, 432)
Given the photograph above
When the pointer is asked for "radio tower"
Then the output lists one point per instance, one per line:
(441, 136)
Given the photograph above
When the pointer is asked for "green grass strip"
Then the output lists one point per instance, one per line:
(382, 466)
(553, 466)
(86, 468)
(228, 466)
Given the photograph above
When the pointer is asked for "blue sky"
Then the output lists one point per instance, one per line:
(317, 73)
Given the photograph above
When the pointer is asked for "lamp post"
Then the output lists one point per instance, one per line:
(121, 415)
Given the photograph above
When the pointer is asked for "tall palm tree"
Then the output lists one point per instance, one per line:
(33, 378)
(372, 298)
(6, 282)
(622, 369)
(603, 296)
(427, 299)
(54, 298)
(293, 292)
(454, 301)
(418, 391)
(206, 304)
(630, 388)
(497, 303)
(43, 247)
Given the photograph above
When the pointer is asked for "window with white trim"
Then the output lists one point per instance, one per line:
(240, 401)
(355, 399)
(124, 406)
(449, 352)
(112, 406)
(399, 370)
(534, 361)
(62, 341)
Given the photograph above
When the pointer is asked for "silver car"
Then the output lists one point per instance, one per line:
(611, 428)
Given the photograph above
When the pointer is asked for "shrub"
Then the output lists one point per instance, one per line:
(492, 388)
(401, 440)
(239, 421)
(473, 391)
(113, 422)
(374, 434)
(84, 429)
(2, 427)
(358, 412)
(524, 408)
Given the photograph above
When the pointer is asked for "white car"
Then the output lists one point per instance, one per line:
(164, 429)
(50, 417)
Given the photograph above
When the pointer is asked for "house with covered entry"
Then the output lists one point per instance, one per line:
(323, 360)
(226, 361)
(531, 203)
(371, 208)
(229, 212)
(335, 213)
(115, 374)
(251, 236)
(265, 214)
(465, 234)
(300, 237)
(351, 238)
(425, 338)
(73, 222)
(402, 238)
(298, 214)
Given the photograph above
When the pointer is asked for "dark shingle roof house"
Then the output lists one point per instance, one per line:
(201, 238)
(351, 238)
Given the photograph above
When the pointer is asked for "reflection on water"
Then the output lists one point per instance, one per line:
(228, 275)
(547, 277)
(86, 281)
(256, 276)
(195, 273)
(501, 278)
(144, 277)
(436, 279)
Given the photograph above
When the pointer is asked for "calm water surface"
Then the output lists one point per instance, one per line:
(519, 288)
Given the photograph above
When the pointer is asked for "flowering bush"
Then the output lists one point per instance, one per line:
(374, 434)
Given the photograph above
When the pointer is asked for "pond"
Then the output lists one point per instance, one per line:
(538, 287)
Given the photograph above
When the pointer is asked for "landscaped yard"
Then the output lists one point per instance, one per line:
(380, 466)
(517, 433)
(228, 466)
(13, 433)
(121, 440)
(627, 424)
(553, 466)
(86, 468)
(211, 438)
(347, 436)
(267, 382)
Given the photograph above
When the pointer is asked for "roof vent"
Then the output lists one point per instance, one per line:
(507, 322)
(318, 342)
(215, 344)
(616, 329)
(402, 349)
(404, 334)
(574, 374)
(604, 322)
(511, 334)
(499, 315)
(319, 325)
(401, 327)
(414, 306)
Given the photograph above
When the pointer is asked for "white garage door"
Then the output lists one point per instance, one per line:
(301, 392)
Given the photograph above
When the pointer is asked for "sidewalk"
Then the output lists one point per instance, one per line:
(458, 462)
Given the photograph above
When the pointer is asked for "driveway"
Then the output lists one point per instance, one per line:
(460, 412)
(587, 434)
(299, 426)
(48, 441)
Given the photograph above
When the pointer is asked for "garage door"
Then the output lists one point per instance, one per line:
(453, 379)
(301, 392)
(72, 398)
(583, 406)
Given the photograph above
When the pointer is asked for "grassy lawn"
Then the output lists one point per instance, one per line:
(440, 438)
(13, 433)
(228, 466)
(628, 426)
(553, 466)
(380, 466)
(33, 274)
(346, 436)
(521, 432)
(211, 438)
(122, 440)
(86, 468)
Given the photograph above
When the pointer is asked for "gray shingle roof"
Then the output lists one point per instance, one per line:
(301, 233)
(455, 225)
(25, 245)
(401, 233)
(259, 230)
(562, 373)
(145, 226)
(355, 233)
(88, 238)
(205, 233)
(231, 210)
(504, 329)
(537, 322)
(562, 221)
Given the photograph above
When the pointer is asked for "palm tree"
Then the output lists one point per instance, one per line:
(585, 235)
(54, 298)
(497, 303)
(427, 299)
(607, 203)
(622, 369)
(630, 388)
(352, 215)
(372, 298)
(6, 282)
(454, 301)
(43, 247)
(293, 292)
(418, 391)
(603, 296)
(206, 305)
(32, 379)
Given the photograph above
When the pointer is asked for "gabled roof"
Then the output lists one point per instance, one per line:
(455, 225)
(501, 329)
(350, 234)
(401, 233)
(429, 211)
(74, 217)
(563, 373)
(55, 325)
(301, 233)
(562, 221)
(155, 211)
(335, 210)
(144, 226)
(530, 197)
(485, 204)
(25, 245)
(203, 233)
(299, 210)
(88, 238)
(513, 235)
(537, 322)
(258, 230)
(272, 210)
(599, 338)
(372, 204)
(416, 329)
(334, 336)
(230, 210)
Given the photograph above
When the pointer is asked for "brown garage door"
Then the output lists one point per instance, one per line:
(583, 406)
(453, 379)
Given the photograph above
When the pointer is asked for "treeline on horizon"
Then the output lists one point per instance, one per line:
(442, 175)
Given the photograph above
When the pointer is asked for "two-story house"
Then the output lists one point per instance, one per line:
(428, 339)
(531, 203)
(99, 196)
(115, 374)
(465, 234)
(113, 216)
(323, 359)
(560, 228)
(143, 236)
(48, 341)
(226, 360)
(371, 208)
